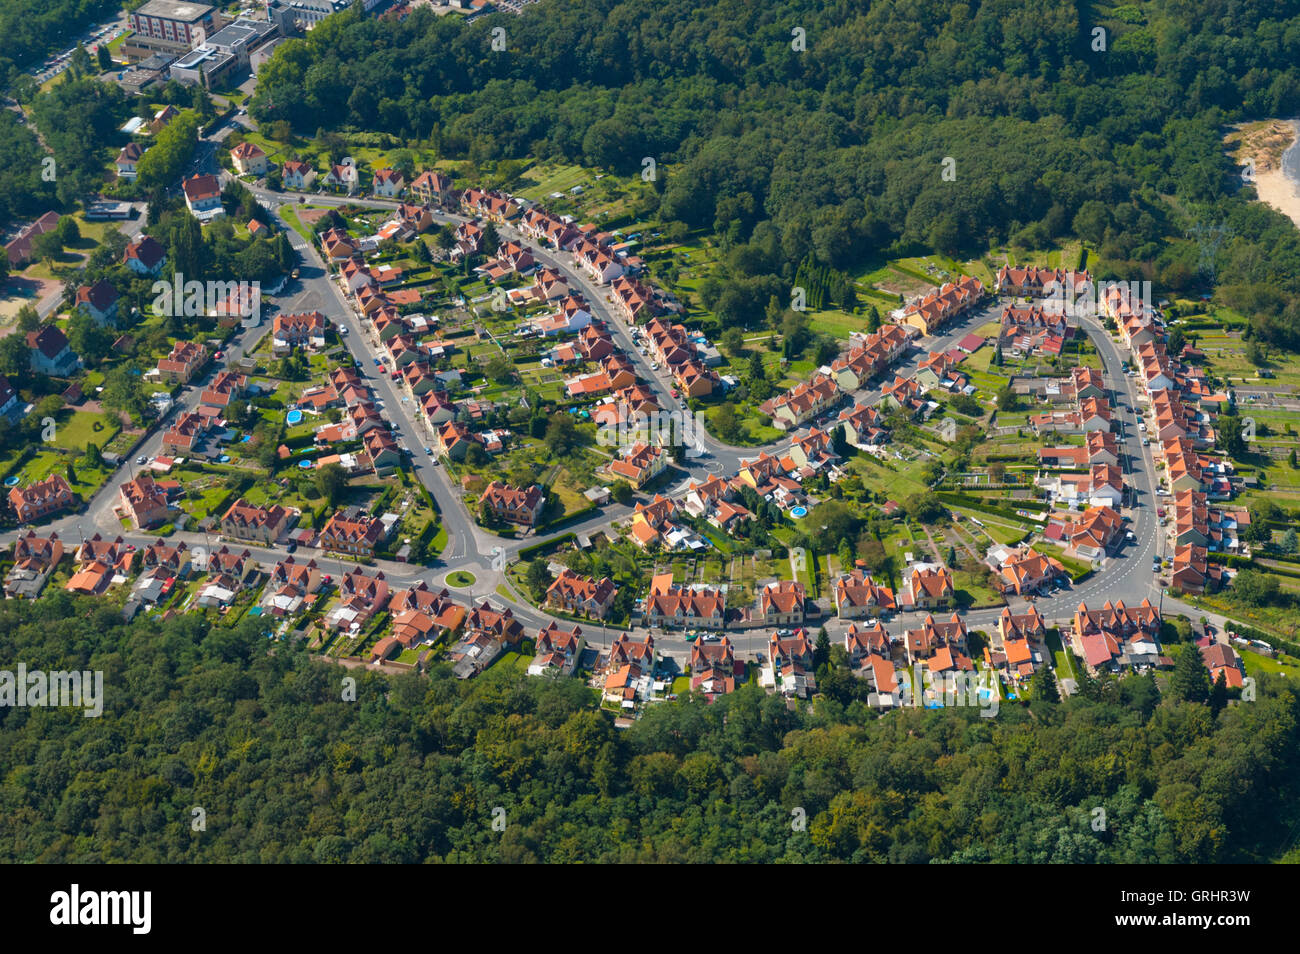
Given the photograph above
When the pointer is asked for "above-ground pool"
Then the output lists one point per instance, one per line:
(305, 464)
(798, 511)
(11, 481)
(223, 459)
(293, 417)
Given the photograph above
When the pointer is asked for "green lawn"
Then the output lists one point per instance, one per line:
(84, 428)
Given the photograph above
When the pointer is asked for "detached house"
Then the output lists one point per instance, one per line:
(638, 464)
(243, 521)
(249, 160)
(581, 595)
(34, 560)
(145, 257)
(512, 504)
(433, 188)
(781, 603)
(714, 670)
(144, 502)
(357, 535)
(50, 352)
(203, 196)
(669, 605)
(361, 597)
(297, 176)
(127, 159)
(305, 330)
(558, 650)
(99, 301)
(290, 585)
(344, 178)
(789, 669)
(927, 586)
(186, 359)
(858, 596)
(40, 499)
(388, 183)
(1026, 571)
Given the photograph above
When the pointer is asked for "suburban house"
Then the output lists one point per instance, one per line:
(1019, 647)
(558, 650)
(297, 176)
(1037, 282)
(1222, 660)
(42, 498)
(144, 502)
(361, 597)
(581, 595)
(304, 330)
(1117, 636)
(127, 159)
(1193, 573)
(51, 353)
(203, 196)
(225, 386)
(858, 596)
(184, 361)
(789, 666)
(781, 603)
(343, 177)
(926, 586)
(1095, 531)
(146, 257)
(289, 586)
(433, 188)
(629, 669)
(512, 504)
(381, 447)
(34, 560)
(249, 159)
(714, 669)
(941, 646)
(669, 605)
(388, 183)
(803, 402)
(936, 309)
(356, 534)
(1025, 571)
(266, 525)
(638, 464)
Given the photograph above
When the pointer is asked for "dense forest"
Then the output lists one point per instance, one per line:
(837, 150)
(22, 190)
(258, 736)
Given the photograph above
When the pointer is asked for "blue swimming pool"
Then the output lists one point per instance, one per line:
(305, 464)
(798, 512)
(293, 417)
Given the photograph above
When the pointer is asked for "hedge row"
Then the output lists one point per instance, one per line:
(545, 546)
